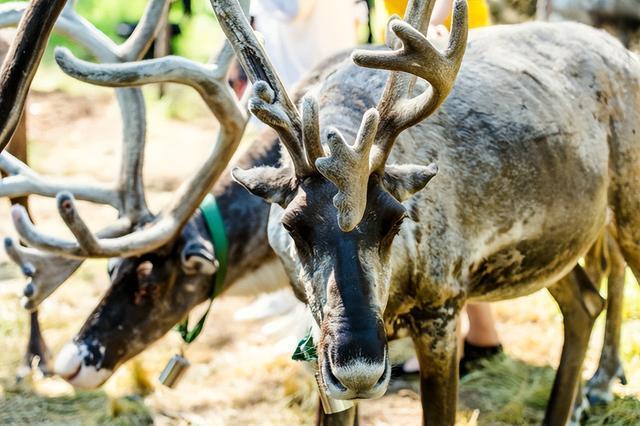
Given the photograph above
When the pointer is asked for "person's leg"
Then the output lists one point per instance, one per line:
(480, 342)
(482, 328)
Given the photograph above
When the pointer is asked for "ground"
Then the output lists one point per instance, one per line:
(240, 374)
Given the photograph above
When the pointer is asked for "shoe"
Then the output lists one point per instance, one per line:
(471, 361)
(474, 355)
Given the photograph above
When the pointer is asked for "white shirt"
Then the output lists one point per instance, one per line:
(298, 34)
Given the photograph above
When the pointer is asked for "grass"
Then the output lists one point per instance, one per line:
(508, 391)
(82, 408)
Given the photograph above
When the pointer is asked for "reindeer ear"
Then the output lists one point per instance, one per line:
(402, 181)
(197, 257)
(275, 185)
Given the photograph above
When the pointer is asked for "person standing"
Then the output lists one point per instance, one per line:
(299, 34)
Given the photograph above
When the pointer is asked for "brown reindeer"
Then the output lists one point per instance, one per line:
(619, 17)
(48, 271)
(137, 231)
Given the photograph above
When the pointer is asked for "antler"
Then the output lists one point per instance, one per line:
(22, 61)
(210, 82)
(269, 101)
(22, 180)
(46, 271)
(417, 57)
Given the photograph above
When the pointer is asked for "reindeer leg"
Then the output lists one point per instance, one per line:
(580, 304)
(37, 350)
(434, 337)
(344, 418)
(598, 389)
(36, 346)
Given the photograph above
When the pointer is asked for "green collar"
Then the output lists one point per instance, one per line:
(215, 225)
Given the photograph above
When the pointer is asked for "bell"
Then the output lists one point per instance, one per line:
(173, 372)
(331, 405)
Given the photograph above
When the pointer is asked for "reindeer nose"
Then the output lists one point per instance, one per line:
(73, 366)
(362, 346)
(359, 376)
(356, 365)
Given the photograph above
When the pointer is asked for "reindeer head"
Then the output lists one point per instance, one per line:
(148, 296)
(335, 213)
(161, 265)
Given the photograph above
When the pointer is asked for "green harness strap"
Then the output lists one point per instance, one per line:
(215, 225)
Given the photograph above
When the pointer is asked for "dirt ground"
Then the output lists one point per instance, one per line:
(240, 374)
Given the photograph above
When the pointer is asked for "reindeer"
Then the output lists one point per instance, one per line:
(162, 248)
(70, 24)
(619, 17)
(579, 281)
(549, 132)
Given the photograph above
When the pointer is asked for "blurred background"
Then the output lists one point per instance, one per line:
(240, 374)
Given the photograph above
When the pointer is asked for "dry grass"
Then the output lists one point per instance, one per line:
(240, 376)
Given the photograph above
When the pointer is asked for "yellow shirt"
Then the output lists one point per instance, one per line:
(479, 15)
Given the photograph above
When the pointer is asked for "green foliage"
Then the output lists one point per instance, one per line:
(199, 38)
(621, 412)
(508, 391)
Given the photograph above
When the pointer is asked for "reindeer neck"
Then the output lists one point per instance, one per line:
(246, 216)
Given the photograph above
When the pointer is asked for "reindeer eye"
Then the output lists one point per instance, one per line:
(112, 264)
(144, 270)
(392, 227)
(287, 227)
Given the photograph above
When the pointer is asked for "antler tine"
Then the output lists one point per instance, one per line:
(69, 213)
(46, 272)
(418, 58)
(270, 102)
(207, 80)
(24, 181)
(311, 130)
(351, 199)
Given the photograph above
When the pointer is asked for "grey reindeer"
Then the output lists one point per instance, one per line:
(534, 144)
